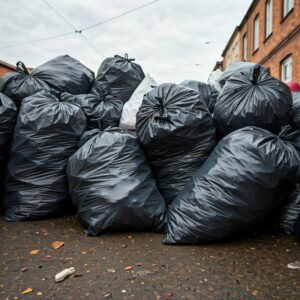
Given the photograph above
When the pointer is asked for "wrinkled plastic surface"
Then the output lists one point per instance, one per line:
(208, 93)
(131, 107)
(177, 134)
(46, 135)
(101, 108)
(237, 67)
(8, 117)
(112, 185)
(240, 183)
(88, 135)
(20, 84)
(290, 212)
(253, 98)
(122, 76)
(296, 110)
(65, 74)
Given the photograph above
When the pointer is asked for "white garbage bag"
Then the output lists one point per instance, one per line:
(131, 107)
(213, 79)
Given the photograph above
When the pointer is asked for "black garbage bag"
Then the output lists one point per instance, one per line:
(88, 135)
(290, 211)
(112, 185)
(177, 134)
(236, 68)
(101, 108)
(253, 99)
(8, 117)
(243, 180)
(121, 74)
(20, 84)
(46, 135)
(296, 110)
(66, 74)
(208, 93)
(297, 228)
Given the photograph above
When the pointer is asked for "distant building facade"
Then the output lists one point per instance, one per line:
(231, 52)
(269, 34)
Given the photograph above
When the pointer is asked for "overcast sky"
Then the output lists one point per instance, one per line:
(167, 38)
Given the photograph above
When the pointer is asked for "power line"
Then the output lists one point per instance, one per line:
(89, 42)
(80, 30)
(119, 16)
(72, 26)
(38, 40)
(59, 14)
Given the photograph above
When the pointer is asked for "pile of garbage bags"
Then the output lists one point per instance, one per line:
(200, 162)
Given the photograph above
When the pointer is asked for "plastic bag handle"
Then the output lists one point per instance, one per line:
(21, 67)
(126, 57)
(129, 59)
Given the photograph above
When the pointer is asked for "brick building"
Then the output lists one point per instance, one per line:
(231, 52)
(269, 34)
(6, 68)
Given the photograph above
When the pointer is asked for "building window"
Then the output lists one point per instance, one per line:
(286, 68)
(288, 5)
(245, 46)
(256, 33)
(269, 17)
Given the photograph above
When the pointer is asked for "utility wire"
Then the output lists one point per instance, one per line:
(119, 16)
(78, 31)
(59, 14)
(72, 26)
(38, 40)
(89, 42)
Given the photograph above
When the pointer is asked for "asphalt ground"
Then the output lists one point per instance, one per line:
(139, 266)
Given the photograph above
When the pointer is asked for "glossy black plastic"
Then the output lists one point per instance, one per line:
(112, 185)
(8, 117)
(46, 135)
(121, 75)
(66, 74)
(206, 91)
(253, 98)
(239, 185)
(177, 134)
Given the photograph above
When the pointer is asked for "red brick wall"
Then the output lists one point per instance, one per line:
(4, 70)
(281, 29)
(292, 47)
